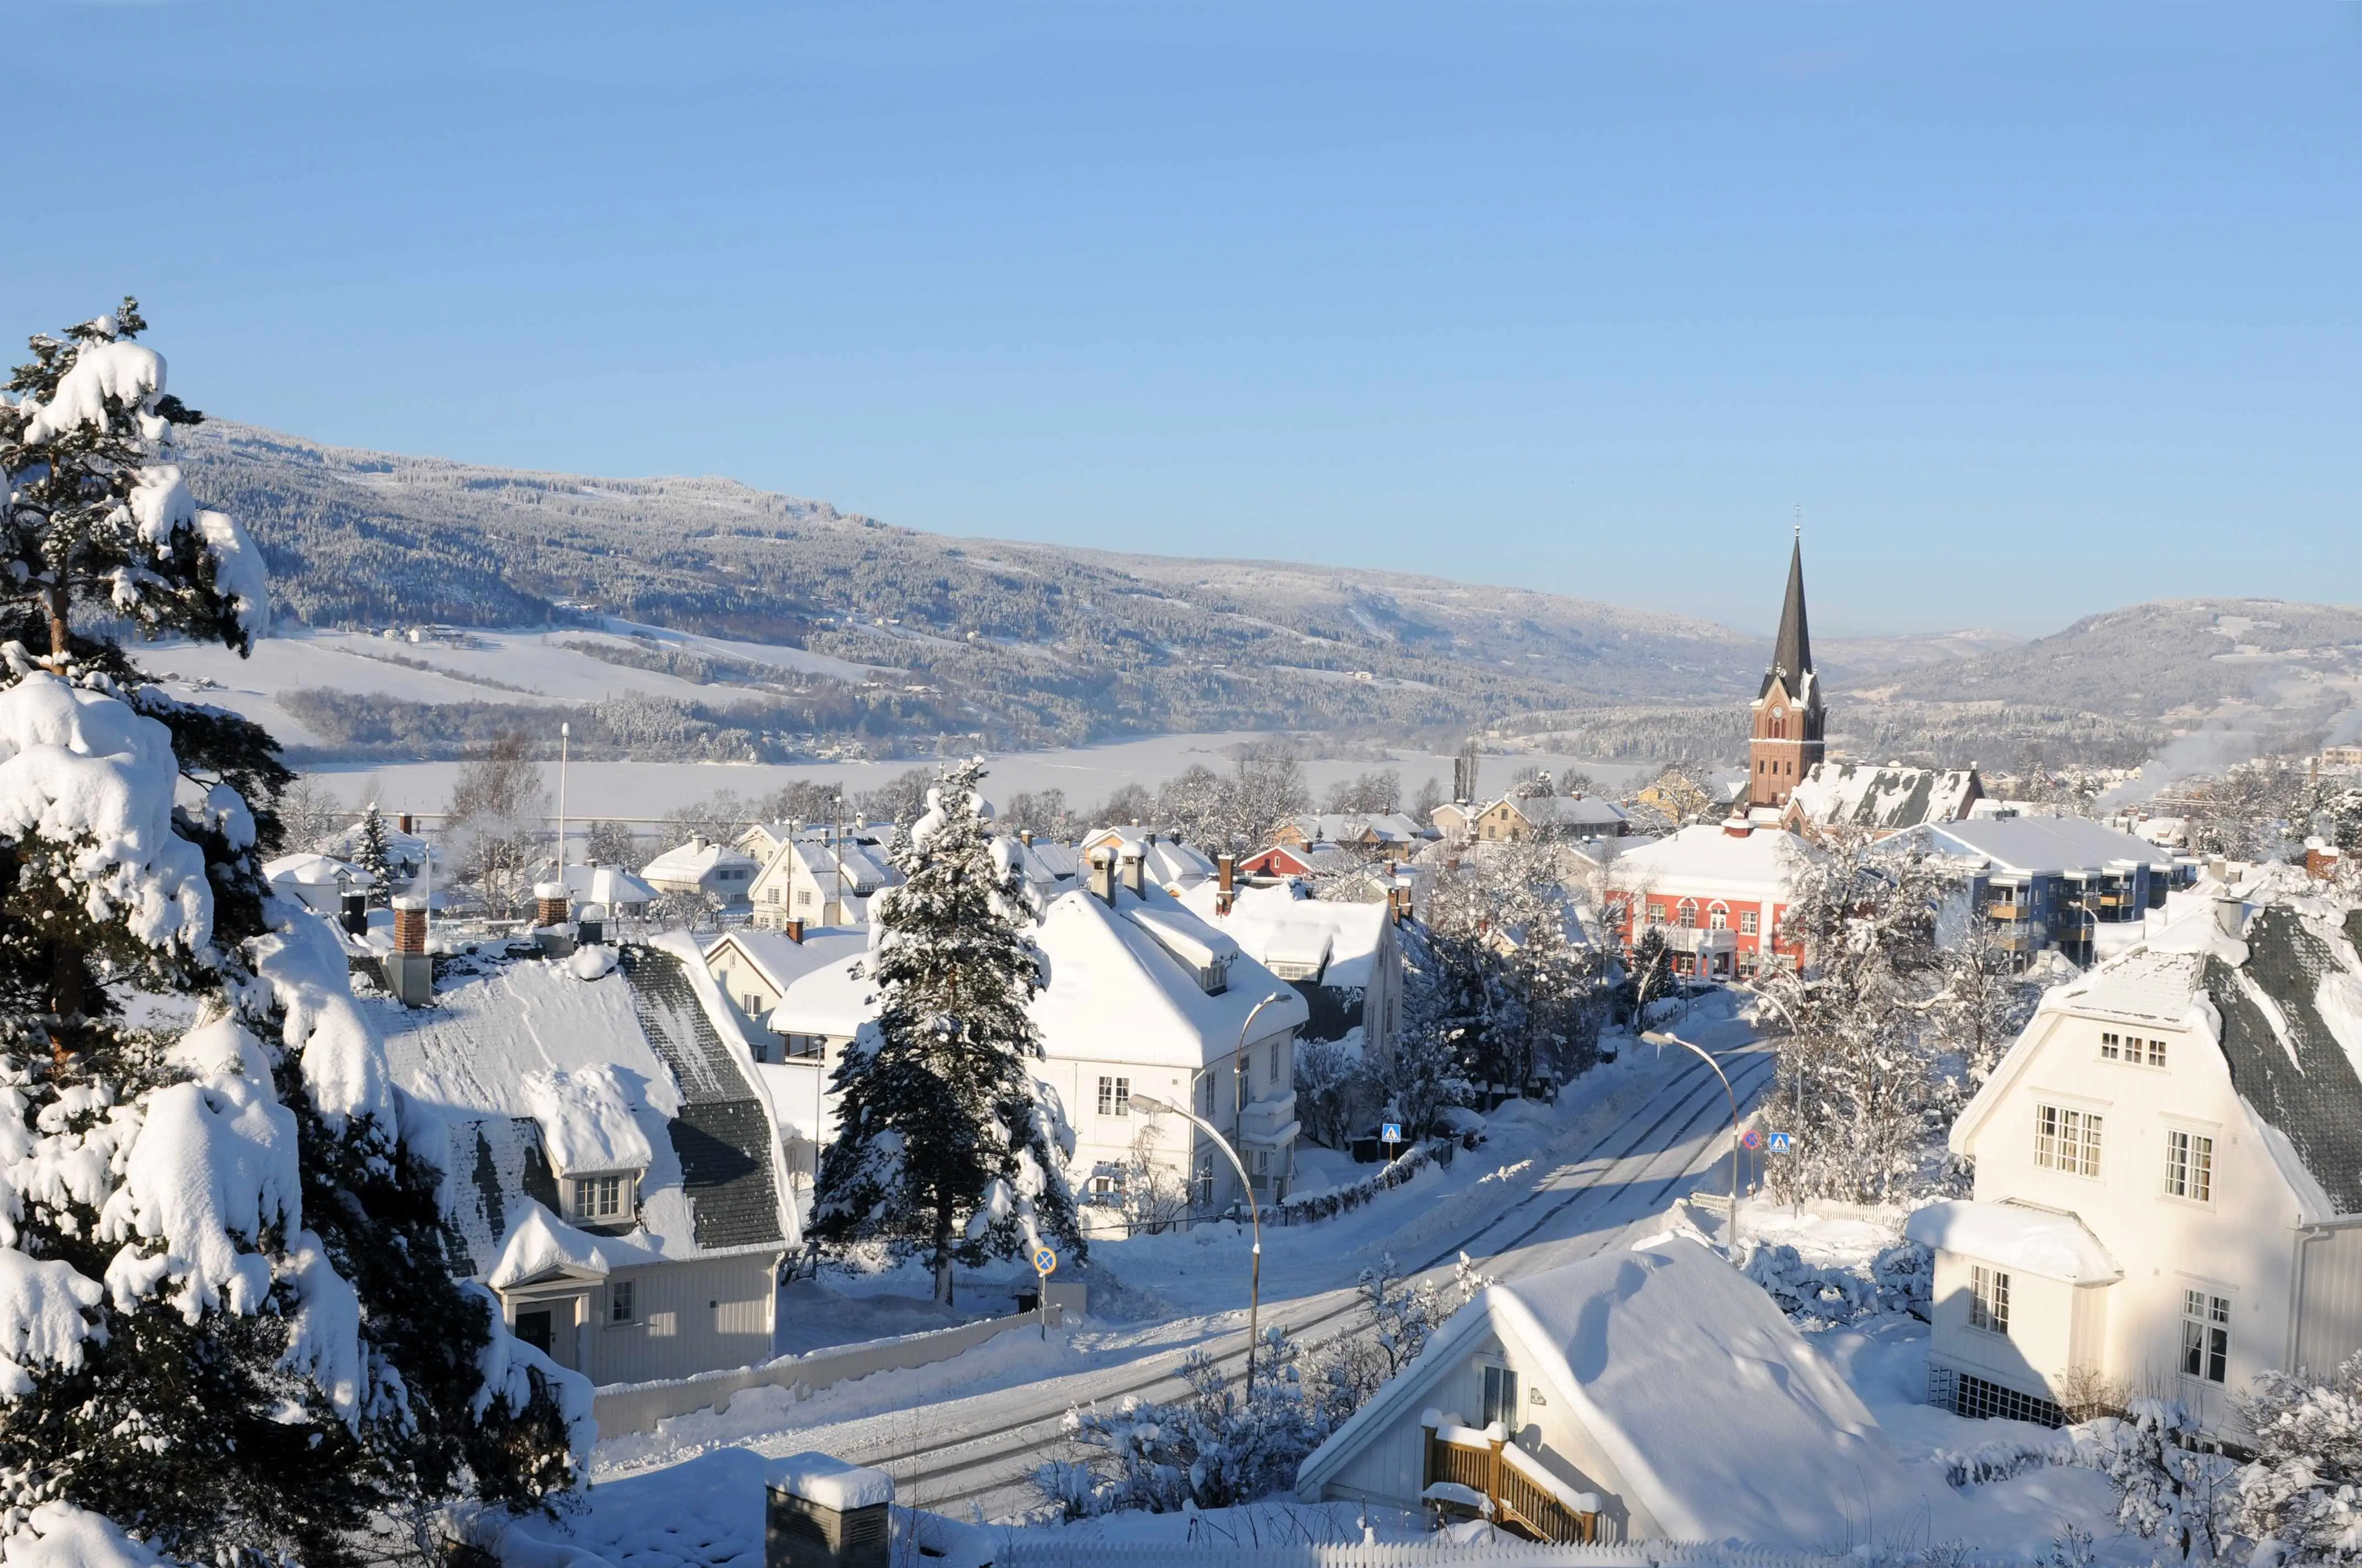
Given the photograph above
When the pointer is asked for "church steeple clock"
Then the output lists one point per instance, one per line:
(1787, 712)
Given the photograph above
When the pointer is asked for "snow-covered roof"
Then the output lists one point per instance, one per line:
(1336, 942)
(1720, 1421)
(1765, 857)
(1574, 812)
(1166, 861)
(2033, 845)
(609, 885)
(2144, 984)
(316, 870)
(1888, 799)
(2016, 1236)
(693, 861)
(587, 1120)
(864, 867)
(781, 960)
(1121, 984)
(503, 1030)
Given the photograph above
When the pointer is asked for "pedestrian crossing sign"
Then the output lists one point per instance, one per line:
(1783, 1144)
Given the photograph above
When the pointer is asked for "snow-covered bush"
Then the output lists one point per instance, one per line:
(2166, 1487)
(2300, 1497)
(1215, 1448)
(1821, 1295)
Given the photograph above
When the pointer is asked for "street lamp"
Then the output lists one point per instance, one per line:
(1660, 1040)
(1254, 1276)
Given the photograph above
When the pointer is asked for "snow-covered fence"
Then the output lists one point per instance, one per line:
(638, 1407)
(1043, 1549)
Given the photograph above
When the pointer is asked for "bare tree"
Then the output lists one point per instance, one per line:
(498, 812)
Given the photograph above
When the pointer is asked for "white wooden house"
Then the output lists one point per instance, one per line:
(614, 1168)
(701, 863)
(2168, 1176)
(819, 882)
(1140, 993)
(1645, 1395)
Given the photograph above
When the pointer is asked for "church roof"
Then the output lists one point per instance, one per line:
(1792, 651)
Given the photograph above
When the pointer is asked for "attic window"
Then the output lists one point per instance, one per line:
(604, 1200)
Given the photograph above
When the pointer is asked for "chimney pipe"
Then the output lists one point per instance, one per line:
(354, 912)
(1103, 874)
(1129, 861)
(796, 932)
(2231, 916)
(1025, 837)
(590, 924)
(1226, 873)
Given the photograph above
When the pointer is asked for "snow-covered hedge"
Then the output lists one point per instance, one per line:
(1344, 1200)
(1897, 1280)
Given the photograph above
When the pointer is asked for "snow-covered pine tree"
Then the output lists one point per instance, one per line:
(94, 516)
(227, 1318)
(945, 1144)
(369, 854)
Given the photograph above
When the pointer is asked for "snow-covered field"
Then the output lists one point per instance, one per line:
(542, 672)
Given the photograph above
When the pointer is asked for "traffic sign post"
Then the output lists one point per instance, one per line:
(1390, 1134)
(1783, 1144)
(1045, 1264)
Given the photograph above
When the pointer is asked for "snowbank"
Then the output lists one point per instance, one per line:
(587, 1123)
(83, 770)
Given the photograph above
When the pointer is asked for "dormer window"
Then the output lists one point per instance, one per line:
(610, 1198)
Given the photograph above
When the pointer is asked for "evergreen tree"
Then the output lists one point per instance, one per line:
(370, 854)
(93, 515)
(246, 1338)
(944, 1146)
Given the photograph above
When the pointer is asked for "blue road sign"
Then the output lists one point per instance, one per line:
(1390, 1133)
(1045, 1260)
(1781, 1144)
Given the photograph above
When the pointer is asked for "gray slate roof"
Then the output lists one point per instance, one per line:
(721, 1134)
(2307, 1087)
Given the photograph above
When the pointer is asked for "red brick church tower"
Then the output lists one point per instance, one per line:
(1787, 713)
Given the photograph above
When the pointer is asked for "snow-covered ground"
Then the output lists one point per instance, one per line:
(1615, 1161)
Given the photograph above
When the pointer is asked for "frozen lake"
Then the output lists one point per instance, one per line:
(627, 791)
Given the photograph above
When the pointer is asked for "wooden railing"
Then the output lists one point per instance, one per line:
(1519, 1505)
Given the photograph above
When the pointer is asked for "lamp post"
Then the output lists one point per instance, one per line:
(1660, 1040)
(1254, 1275)
(565, 735)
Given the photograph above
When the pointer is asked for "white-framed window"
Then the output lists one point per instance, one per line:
(1988, 1299)
(1717, 918)
(2112, 1045)
(772, 896)
(1689, 914)
(803, 898)
(2189, 1166)
(621, 1307)
(2067, 1139)
(1747, 920)
(2205, 1335)
(2156, 1053)
(1501, 1396)
(1115, 1096)
(602, 1197)
(751, 1001)
(1656, 914)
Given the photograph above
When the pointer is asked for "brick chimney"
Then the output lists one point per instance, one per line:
(401, 823)
(1736, 827)
(795, 931)
(549, 903)
(1226, 874)
(1025, 837)
(409, 970)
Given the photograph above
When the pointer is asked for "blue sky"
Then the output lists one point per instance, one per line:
(2034, 310)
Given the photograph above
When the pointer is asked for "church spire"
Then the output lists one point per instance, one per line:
(1792, 654)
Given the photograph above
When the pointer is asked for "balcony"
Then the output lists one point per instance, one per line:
(1477, 1474)
(2016, 936)
(1699, 939)
(2003, 910)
